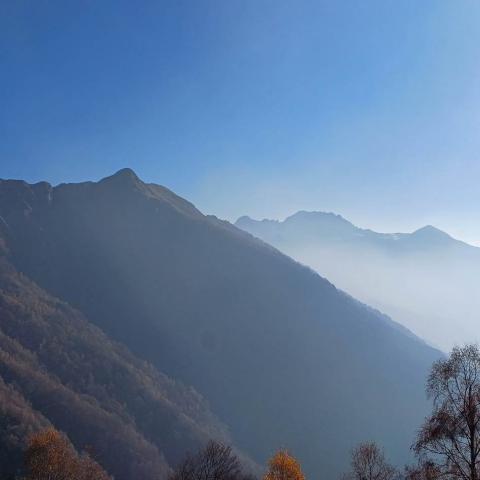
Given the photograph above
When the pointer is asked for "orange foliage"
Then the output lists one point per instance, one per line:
(282, 466)
(50, 456)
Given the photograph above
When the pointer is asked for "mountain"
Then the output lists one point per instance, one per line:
(314, 228)
(282, 356)
(58, 369)
(427, 280)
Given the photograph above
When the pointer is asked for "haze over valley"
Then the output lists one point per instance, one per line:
(426, 280)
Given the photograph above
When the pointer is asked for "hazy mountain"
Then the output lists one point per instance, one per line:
(426, 279)
(282, 356)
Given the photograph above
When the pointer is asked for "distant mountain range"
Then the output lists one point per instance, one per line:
(427, 280)
(98, 278)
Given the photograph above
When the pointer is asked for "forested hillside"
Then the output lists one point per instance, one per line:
(58, 369)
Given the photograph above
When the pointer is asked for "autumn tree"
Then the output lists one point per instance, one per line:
(283, 466)
(214, 462)
(450, 436)
(368, 463)
(50, 456)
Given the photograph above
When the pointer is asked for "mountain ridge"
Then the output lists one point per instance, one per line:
(330, 219)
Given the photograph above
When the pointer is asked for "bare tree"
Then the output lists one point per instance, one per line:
(215, 462)
(368, 463)
(425, 470)
(451, 435)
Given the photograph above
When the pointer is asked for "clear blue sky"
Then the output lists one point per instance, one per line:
(367, 108)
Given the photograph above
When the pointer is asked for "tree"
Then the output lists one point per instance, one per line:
(214, 462)
(368, 463)
(283, 466)
(425, 470)
(89, 469)
(451, 434)
(50, 456)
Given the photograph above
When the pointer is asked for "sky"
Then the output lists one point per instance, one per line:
(370, 109)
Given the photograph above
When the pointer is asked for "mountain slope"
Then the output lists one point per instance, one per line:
(284, 358)
(439, 301)
(56, 368)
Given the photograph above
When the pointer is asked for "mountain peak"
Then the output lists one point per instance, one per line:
(320, 222)
(126, 173)
(429, 231)
(125, 177)
(317, 216)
